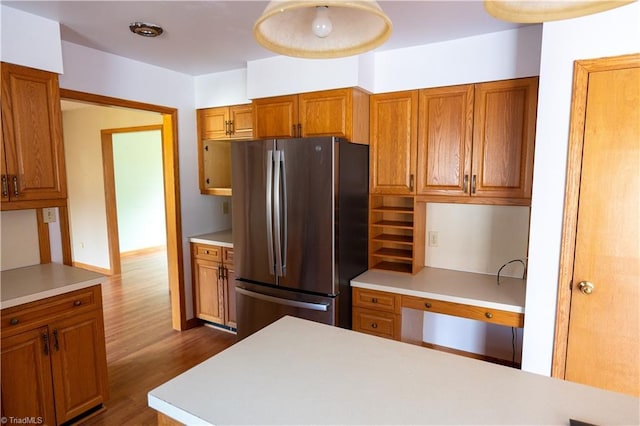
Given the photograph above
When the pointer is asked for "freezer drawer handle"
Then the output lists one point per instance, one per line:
(294, 303)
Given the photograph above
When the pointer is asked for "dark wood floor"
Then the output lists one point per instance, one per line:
(143, 351)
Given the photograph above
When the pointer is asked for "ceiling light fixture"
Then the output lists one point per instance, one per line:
(145, 29)
(322, 29)
(536, 11)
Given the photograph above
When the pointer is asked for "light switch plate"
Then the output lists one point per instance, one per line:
(433, 239)
(49, 215)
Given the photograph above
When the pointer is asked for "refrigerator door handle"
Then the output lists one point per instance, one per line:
(269, 209)
(287, 302)
(285, 218)
(277, 220)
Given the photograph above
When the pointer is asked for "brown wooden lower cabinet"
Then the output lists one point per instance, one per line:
(214, 284)
(377, 313)
(54, 365)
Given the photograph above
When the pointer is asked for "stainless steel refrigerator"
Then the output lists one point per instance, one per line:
(299, 228)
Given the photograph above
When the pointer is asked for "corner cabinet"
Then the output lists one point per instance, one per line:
(341, 112)
(475, 142)
(213, 284)
(33, 171)
(217, 129)
(54, 363)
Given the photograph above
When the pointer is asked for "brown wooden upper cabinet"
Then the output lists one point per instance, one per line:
(33, 171)
(341, 112)
(217, 128)
(474, 142)
(394, 130)
(477, 140)
(227, 122)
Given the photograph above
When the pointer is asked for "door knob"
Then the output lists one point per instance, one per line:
(586, 287)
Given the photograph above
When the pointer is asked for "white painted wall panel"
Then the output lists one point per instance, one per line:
(495, 56)
(19, 236)
(30, 40)
(221, 89)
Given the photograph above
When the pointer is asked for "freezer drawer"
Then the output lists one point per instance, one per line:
(259, 306)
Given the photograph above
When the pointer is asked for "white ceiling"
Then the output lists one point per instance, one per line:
(203, 37)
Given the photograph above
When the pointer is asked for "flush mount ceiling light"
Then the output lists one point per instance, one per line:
(322, 29)
(536, 11)
(145, 29)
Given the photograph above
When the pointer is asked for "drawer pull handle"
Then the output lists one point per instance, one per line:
(488, 315)
(374, 325)
(56, 343)
(14, 321)
(77, 303)
(427, 305)
(374, 300)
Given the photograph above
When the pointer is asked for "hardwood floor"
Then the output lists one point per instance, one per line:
(143, 351)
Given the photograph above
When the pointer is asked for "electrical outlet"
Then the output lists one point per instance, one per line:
(49, 215)
(433, 238)
(225, 207)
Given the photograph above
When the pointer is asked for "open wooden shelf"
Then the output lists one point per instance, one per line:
(396, 233)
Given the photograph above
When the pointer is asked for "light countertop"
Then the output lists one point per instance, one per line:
(450, 286)
(31, 283)
(299, 372)
(220, 238)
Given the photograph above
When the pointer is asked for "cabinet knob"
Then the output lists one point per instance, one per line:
(427, 305)
(206, 252)
(77, 302)
(374, 300)
(488, 315)
(586, 287)
(14, 321)
(374, 325)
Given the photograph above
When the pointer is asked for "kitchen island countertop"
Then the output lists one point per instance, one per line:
(299, 372)
(32, 283)
(220, 238)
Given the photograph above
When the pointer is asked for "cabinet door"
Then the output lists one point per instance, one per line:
(394, 128)
(275, 117)
(214, 123)
(503, 138)
(208, 291)
(3, 170)
(78, 360)
(32, 122)
(326, 113)
(27, 388)
(230, 288)
(445, 134)
(241, 117)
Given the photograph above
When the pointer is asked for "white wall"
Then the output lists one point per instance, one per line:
(19, 239)
(30, 40)
(496, 56)
(139, 182)
(610, 33)
(85, 176)
(221, 89)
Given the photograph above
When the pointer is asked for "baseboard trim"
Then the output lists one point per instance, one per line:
(91, 268)
(143, 251)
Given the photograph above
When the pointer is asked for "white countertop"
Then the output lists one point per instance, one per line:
(300, 372)
(31, 283)
(450, 286)
(220, 238)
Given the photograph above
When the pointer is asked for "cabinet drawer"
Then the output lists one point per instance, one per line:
(378, 300)
(494, 316)
(207, 252)
(382, 324)
(30, 314)
(227, 257)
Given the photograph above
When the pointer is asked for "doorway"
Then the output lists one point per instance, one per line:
(597, 339)
(168, 124)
